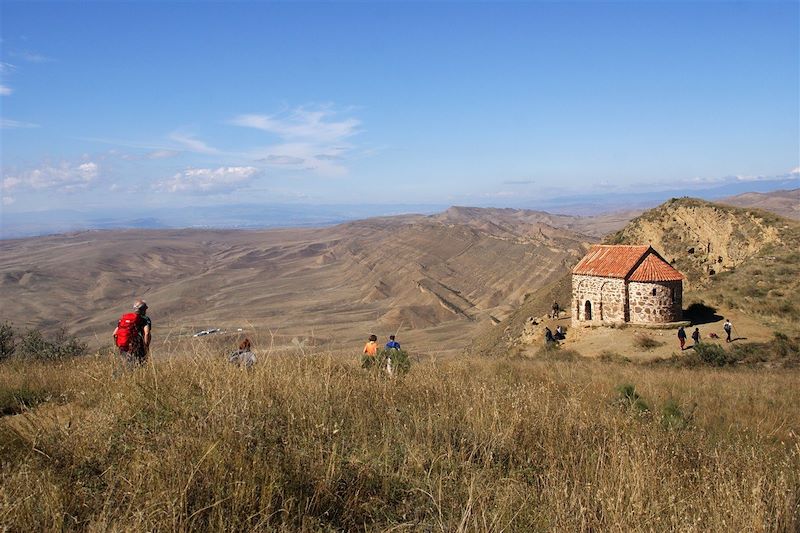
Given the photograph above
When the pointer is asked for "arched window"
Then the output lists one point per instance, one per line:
(654, 291)
(587, 310)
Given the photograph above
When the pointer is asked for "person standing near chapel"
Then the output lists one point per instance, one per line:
(682, 337)
(696, 336)
(728, 327)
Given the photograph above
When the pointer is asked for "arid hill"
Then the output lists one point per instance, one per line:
(436, 278)
(737, 260)
(783, 203)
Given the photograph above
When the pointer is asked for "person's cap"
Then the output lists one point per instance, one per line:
(139, 304)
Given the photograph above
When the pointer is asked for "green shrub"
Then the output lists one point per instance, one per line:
(673, 417)
(401, 363)
(713, 354)
(630, 400)
(7, 340)
(33, 345)
(17, 400)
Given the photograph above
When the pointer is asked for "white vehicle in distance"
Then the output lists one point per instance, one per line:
(206, 332)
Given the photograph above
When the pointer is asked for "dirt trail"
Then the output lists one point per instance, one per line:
(591, 342)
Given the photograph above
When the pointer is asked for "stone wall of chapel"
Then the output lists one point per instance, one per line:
(607, 297)
(655, 302)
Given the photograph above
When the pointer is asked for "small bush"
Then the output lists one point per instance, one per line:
(401, 363)
(673, 417)
(554, 352)
(646, 342)
(17, 400)
(609, 356)
(713, 354)
(629, 399)
(7, 341)
(33, 345)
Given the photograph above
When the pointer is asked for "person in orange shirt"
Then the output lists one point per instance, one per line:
(371, 348)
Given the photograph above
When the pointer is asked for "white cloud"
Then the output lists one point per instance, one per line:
(795, 171)
(324, 160)
(5, 90)
(8, 200)
(302, 123)
(311, 139)
(64, 177)
(208, 180)
(162, 154)
(192, 144)
(8, 124)
(6, 67)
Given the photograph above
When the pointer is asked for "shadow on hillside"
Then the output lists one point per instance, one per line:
(701, 314)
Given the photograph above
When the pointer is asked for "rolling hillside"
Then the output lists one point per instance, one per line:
(434, 277)
(785, 203)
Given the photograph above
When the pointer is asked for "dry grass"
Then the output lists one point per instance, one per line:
(315, 443)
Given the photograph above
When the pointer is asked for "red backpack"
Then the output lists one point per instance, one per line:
(128, 330)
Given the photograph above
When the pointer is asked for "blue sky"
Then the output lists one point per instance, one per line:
(471, 103)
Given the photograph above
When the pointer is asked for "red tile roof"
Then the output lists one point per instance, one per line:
(635, 263)
(653, 268)
(610, 261)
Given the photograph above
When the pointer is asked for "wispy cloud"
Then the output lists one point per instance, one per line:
(162, 154)
(8, 200)
(8, 124)
(317, 125)
(29, 56)
(207, 180)
(519, 182)
(152, 155)
(5, 90)
(6, 68)
(310, 138)
(191, 143)
(64, 177)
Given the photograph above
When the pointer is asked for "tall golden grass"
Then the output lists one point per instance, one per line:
(314, 442)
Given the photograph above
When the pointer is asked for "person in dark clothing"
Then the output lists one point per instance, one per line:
(696, 336)
(556, 309)
(560, 334)
(682, 337)
(548, 336)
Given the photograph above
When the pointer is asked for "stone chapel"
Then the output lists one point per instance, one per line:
(615, 284)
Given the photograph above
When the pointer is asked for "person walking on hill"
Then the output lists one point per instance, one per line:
(392, 344)
(696, 336)
(682, 337)
(132, 334)
(556, 309)
(371, 348)
(728, 327)
(548, 336)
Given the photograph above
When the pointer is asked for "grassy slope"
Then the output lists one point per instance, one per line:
(316, 443)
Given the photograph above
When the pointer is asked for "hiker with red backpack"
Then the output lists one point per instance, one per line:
(132, 334)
